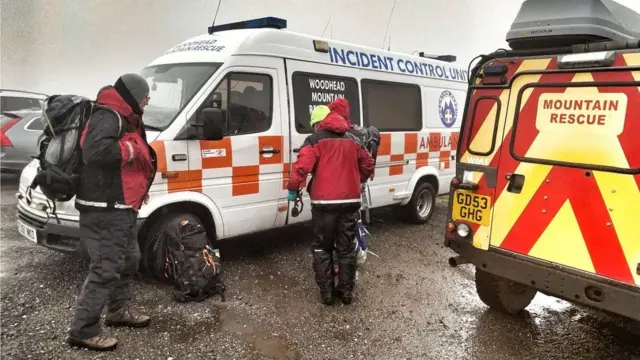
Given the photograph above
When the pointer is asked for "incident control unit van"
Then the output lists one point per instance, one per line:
(265, 81)
(546, 197)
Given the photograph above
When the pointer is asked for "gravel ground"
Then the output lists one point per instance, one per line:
(409, 305)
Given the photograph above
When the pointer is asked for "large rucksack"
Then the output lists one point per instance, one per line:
(60, 157)
(370, 138)
(190, 263)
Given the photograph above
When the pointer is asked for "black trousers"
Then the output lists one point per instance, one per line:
(334, 228)
(110, 239)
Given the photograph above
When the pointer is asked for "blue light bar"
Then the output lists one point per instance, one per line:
(261, 23)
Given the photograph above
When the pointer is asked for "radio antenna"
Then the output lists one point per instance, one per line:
(215, 16)
(388, 23)
(326, 27)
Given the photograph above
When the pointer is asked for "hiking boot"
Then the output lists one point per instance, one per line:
(327, 298)
(346, 297)
(97, 343)
(126, 317)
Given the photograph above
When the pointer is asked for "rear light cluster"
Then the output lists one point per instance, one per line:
(4, 140)
(455, 182)
(463, 230)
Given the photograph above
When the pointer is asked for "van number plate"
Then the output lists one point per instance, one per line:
(471, 207)
(27, 231)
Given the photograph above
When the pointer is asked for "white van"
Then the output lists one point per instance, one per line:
(266, 81)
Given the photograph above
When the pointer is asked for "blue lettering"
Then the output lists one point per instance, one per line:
(431, 71)
(374, 61)
(410, 67)
(340, 56)
(383, 62)
(366, 62)
(439, 71)
(400, 65)
(353, 62)
(331, 50)
(419, 68)
(390, 59)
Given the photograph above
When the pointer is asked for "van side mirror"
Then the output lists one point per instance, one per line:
(212, 124)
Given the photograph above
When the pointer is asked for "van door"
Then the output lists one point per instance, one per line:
(566, 187)
(242, 173)
(310, 85)
(483, 139)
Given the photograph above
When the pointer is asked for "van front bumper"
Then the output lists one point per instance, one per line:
(62, 235)
(552, 279)
(58, 234)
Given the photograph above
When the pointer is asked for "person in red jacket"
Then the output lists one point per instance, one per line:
(338, 164)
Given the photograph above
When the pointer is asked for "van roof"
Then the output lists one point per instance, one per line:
(219, 46)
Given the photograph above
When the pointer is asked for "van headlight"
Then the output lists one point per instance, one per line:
(463, 230)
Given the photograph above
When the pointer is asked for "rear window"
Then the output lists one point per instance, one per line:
(35, 124)
(580, 125)
(16, 103)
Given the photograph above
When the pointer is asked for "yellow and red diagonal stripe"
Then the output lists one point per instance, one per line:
(565, 215)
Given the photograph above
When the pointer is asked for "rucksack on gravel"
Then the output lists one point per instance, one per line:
(191, 264)
(60, 157)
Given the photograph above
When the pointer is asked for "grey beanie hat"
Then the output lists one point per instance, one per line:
(133, 88)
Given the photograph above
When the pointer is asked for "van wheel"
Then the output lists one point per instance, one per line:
(153, 257)
(503, 294)
(421, 206)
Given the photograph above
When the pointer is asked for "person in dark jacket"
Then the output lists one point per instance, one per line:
(338, 164)
(119, 167)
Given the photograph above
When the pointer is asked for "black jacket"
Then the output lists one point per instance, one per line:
(119, 165)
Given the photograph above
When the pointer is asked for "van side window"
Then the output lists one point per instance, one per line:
(311, 90)
(246, 103)
(391, 106)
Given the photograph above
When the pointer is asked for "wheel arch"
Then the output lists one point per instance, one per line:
(196, 203)
(424, 174)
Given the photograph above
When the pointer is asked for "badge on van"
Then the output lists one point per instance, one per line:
(209, 153)
(448, 108)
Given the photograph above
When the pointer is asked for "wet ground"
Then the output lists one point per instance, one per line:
(410, 305)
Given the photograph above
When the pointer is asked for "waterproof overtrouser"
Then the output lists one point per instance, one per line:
(112, 244)
(334, 228)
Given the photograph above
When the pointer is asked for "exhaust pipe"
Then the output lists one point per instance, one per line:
(458, 260)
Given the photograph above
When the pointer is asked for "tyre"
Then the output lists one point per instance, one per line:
(152, 259)
(421, 205)
(503, 294)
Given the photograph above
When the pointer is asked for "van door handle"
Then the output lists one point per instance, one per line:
(296, 150)
(269, 151)
(516, 183)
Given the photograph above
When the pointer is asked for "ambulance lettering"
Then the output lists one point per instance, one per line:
(582, 113)
(444, 141)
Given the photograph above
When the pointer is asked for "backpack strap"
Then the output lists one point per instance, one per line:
(95, 104)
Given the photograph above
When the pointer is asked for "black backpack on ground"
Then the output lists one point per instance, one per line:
(60, 158)
(191, 264)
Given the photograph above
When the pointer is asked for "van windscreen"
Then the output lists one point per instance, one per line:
(172, 87)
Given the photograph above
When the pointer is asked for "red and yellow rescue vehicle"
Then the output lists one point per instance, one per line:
(547, 192)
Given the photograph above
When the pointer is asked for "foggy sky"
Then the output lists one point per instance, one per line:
(77, 46)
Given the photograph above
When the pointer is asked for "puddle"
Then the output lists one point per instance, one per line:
(267, 344)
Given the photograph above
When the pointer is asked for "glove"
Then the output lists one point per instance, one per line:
(292, 195)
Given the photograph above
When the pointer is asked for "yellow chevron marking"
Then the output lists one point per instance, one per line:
(562, 242)
(481, 238)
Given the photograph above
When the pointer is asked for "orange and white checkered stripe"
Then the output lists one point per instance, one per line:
(234, 166)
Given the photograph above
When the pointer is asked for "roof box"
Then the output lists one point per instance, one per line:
(555, 23)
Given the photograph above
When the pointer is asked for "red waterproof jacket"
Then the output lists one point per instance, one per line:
(336, 160)
(341, 106)
(119, 165)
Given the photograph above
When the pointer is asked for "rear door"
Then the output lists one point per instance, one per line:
(567, 181)
(484, 137)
